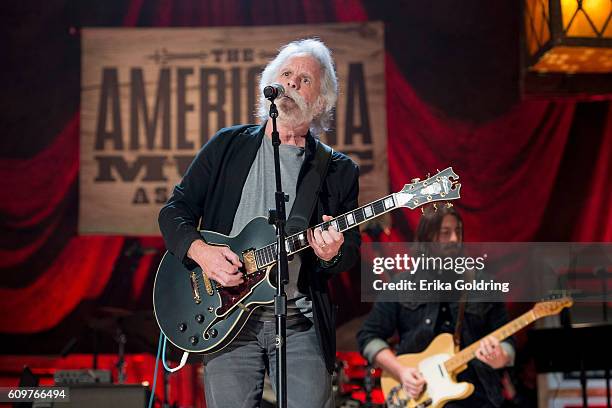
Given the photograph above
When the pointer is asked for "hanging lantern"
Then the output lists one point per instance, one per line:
(568, 36)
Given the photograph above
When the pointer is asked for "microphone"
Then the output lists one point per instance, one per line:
(273, 91)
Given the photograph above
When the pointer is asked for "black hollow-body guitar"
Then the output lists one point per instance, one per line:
(198, 315)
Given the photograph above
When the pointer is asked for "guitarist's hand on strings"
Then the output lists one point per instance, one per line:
(325, 244)
(218, 262)
(412, 381)
(492, 353)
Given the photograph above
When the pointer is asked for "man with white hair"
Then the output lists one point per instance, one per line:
(230, 182)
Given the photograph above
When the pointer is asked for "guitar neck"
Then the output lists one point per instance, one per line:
(467, 354)
(298, 242)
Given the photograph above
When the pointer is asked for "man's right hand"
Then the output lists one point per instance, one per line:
(218, 262)
(412, 381)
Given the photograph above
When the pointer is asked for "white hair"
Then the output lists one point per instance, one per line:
(329, 82)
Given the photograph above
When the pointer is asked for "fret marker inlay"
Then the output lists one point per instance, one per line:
(350, 219)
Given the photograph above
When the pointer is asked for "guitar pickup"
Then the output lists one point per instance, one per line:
(248, 258)
(208, 284)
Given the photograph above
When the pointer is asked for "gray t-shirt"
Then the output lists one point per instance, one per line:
(258, 197)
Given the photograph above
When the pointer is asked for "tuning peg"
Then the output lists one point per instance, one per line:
(422, 211)
(415, 180)
(449, 205)
(428, 175)
(435, 206)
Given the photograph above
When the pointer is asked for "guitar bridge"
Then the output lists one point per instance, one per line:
(194, 287)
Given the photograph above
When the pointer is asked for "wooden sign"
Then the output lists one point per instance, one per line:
(151, 97)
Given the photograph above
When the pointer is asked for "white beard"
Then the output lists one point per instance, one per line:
(295, 112)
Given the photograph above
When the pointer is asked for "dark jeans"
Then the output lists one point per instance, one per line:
(234, 376)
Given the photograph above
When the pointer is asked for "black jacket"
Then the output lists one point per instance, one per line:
(211, 190)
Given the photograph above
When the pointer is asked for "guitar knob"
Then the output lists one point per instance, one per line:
(182, 327)
(213, 333)
(199, 318)
(193, 340)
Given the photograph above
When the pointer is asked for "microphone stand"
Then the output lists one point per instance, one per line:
(278, 218)
(121, 339)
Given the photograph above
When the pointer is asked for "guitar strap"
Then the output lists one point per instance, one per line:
(462, 303)
(460, 313)
(308, 191)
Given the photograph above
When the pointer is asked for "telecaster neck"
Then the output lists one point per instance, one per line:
(467, 354)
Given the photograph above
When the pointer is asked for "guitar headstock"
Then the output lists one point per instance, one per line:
(442, 186)
(552, 307)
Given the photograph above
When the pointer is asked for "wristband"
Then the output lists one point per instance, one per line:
(332, 262)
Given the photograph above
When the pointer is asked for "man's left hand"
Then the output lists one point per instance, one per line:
(325, 244)
(492, 353)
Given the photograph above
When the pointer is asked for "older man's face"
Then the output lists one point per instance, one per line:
(301, 78)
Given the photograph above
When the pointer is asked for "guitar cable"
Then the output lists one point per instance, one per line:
(161, 350)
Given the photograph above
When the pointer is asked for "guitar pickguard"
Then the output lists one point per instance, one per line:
(441, 386)
(231, 296)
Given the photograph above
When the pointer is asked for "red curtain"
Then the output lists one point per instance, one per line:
(596, 208)
(80, 272)
(507, 166)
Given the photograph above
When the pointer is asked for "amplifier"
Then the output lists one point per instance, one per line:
(68, 377)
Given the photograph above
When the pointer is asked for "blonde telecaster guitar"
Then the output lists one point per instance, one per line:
(441, 362)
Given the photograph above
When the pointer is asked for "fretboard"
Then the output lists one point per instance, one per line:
(297, 242)
(468, 353)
